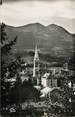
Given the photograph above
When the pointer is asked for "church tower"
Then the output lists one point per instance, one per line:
(36, 66)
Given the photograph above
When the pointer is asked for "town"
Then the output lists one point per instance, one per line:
(48, 81)
(37, 41)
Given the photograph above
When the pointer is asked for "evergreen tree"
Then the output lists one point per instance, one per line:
(6, 46)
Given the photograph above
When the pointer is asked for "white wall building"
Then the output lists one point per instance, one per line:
(48, 81)
(44, 79)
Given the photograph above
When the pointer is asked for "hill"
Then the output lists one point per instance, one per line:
(51, 39)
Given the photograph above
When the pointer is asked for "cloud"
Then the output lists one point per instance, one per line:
(39, 9)
(20, 13)
(33, 0)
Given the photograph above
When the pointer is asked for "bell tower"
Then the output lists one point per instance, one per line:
(36, 66)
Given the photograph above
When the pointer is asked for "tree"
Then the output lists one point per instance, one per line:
(6, 46)
(67, 97)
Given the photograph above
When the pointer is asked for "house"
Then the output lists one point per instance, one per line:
(44, 79)
(24, 77)
(55, 70)
(48, 80)
(10, 80)
(45, 91)
(22, 72)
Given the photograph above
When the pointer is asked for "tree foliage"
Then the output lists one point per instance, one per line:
(6, 46)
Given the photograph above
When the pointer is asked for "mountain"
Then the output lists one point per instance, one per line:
(51, 39)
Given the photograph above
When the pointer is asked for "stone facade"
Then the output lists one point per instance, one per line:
(48, 81)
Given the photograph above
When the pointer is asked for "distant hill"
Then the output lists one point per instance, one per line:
(51, 39)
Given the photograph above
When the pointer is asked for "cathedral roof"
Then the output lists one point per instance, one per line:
(36, 53)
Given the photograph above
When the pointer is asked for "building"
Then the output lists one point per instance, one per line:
(44, 79)
(36, 75)
(24, 77)
(48, 80)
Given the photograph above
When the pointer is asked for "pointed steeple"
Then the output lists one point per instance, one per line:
(36, 53)
(36, 65)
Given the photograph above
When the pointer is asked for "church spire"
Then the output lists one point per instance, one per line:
(36, 64)
(36, 53)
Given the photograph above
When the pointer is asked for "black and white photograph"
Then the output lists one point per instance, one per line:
(37, 58)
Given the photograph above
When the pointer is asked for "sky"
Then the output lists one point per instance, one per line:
(46, 12)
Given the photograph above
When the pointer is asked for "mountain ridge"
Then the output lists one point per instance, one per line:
(52, 38)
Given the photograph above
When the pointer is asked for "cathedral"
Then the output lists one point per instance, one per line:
(36, 74)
